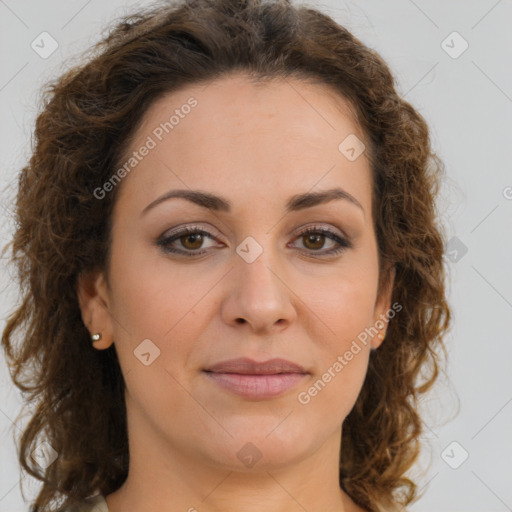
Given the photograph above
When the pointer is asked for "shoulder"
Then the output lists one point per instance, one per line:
(95, 504)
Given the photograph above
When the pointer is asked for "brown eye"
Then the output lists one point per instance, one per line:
(322, 242)
(192, 241)
(314, 241)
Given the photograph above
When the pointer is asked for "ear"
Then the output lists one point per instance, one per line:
(383, 306)
(93, 299)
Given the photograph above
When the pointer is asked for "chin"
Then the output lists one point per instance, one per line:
(263, 446)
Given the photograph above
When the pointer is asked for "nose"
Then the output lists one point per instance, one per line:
(258, 296)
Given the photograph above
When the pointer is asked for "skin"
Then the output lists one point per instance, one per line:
(256, 145)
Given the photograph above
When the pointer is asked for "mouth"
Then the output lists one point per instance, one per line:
(256, 380)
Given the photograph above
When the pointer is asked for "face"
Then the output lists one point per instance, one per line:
(277, 259)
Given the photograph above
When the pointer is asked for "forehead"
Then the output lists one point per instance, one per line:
(252, 139)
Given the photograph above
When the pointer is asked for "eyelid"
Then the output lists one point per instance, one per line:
(323, 228)
(191, 228)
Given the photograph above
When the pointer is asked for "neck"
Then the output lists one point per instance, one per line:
(170, 478)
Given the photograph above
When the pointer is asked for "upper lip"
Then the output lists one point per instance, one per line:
(248, 366)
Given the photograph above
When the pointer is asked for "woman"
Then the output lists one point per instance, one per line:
(231, 270)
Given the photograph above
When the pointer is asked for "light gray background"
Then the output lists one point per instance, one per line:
(467, 102)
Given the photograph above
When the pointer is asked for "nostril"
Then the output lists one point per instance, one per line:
(240, 320)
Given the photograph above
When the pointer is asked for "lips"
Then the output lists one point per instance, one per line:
(256, 380)
(246, 366)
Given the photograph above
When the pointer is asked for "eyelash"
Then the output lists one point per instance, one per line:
(164, 242)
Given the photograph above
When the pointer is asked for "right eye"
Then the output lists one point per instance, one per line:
(191, 239)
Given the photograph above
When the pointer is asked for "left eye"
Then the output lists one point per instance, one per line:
(192, 239)
(315, 238)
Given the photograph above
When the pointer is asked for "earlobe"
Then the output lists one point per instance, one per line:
(377, 340)
(93, 300)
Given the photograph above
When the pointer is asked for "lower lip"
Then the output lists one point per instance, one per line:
(257, 386)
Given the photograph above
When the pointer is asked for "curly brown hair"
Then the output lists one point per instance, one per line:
(88, 117)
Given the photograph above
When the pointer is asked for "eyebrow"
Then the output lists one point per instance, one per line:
(217, 203)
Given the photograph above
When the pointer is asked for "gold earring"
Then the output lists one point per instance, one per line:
(96, 337)
(381, 336)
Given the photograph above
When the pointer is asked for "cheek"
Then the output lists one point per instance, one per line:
(343, 304)
(152, 296)
(342, 344)
(340, 329)
(153, 301)
(343, 352)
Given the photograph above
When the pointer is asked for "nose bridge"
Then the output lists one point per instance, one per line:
(258, 281)
(259, 278)
(258, 295)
